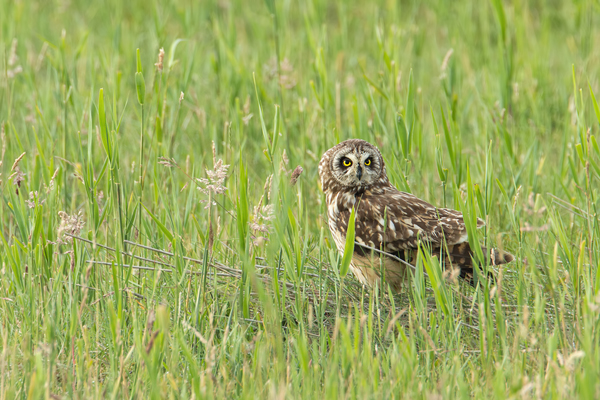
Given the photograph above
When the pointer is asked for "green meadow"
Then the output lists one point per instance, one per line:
(158, 242)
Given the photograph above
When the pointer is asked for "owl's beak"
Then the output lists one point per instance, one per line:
(359, 172)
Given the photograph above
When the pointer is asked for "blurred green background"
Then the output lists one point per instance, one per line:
(487, 107)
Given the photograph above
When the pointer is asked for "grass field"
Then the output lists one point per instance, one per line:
(214, 276)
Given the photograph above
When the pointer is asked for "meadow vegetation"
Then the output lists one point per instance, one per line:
(159, 241)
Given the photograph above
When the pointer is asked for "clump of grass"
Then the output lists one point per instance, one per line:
(119, 278)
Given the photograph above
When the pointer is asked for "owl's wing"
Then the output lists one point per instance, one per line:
(396, 221)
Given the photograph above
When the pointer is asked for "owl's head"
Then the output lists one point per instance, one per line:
(352, 165)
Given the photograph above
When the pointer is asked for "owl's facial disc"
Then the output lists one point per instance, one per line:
(356, 167)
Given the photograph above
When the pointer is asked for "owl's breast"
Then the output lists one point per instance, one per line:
(336, 203)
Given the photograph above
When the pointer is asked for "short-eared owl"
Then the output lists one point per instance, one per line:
(353, 175)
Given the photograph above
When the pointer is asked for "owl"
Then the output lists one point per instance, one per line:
(353, 174)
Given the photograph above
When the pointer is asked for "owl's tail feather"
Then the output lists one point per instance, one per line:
(461, 255)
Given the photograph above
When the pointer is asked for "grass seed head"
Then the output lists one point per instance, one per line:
(161, 56)
(17, 177)
(34, 200)
(246, 119)
(71, 224)
(52, 180)
(285, 161)
(296, 174)
(16, 163)
(167, 162)
(215, 181)
(445, 62)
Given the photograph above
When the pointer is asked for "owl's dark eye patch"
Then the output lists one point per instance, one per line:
(368, 162)
(345, 162)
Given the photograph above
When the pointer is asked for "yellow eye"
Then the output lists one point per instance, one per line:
(368, 162)
(347, 162)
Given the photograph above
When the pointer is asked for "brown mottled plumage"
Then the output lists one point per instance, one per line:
(353, 175)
